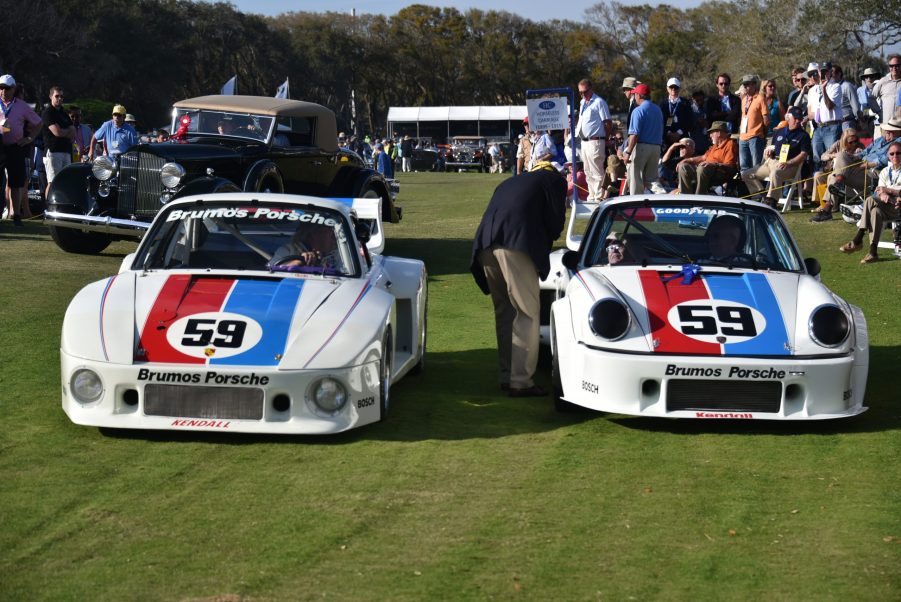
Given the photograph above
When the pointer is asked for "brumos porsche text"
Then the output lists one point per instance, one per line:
(269, 213)
(734, 372)
(209, 378)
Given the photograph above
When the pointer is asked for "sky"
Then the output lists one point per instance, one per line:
(536, 10)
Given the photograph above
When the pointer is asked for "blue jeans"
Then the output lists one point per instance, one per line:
(823, 138)
(750, 152)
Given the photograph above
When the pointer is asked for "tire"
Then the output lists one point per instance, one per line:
(557, 387)
(271, 184)
(385, 376)
(71, 240)
(420, 365)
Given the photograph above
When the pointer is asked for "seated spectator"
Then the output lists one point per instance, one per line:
(884, 205)
(847, 169)
(876, 154)
(790, 150)
(581, 183)
(678, 151)
(715, 167)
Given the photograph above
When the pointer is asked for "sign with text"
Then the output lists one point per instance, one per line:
(548, 113)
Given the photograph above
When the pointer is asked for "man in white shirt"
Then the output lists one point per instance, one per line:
(824, 108)
(884, 99)
(593, 129)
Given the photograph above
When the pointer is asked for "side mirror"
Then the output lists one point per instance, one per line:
(570, 259)
(363, 232)
(812, 266)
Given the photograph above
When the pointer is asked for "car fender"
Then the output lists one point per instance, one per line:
(99, 311)
(71, 188)
(258, 172)
(345, 331)
(354, 182)
(206, 185)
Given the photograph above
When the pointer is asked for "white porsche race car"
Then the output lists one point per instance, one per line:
(699, 307)
(263, 313)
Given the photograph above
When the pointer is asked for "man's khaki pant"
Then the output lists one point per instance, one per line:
(875, 214)
(513, 282)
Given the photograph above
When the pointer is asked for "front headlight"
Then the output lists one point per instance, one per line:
(609, 319)
(171, 174)
(86, 385)
(103, 168)
(327, 394)
(829, 326)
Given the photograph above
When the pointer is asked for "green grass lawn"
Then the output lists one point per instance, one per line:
(463, 494)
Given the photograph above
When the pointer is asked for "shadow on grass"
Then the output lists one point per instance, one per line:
(884, 413)
(441, 256)
(450, 400)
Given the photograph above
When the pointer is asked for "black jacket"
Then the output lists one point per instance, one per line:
(715, 112)
(526, 213)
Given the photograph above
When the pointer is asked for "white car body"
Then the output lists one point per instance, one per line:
(704, 338)
(188, 347)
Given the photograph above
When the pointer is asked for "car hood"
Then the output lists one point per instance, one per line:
(713, 312)
(185, 318)
(203, 149)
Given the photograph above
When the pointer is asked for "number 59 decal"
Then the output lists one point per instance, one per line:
(214, 334)
(714, 321)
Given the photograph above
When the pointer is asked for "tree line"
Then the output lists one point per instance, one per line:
(147, 54)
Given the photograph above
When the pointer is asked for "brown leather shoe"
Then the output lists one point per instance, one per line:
(850, 247)
(869, 258)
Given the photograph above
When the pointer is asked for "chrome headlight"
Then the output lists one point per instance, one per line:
(86, 385)
(171, 174)
(327, 394)
(609, 319)
(103, 168)
(829, 326)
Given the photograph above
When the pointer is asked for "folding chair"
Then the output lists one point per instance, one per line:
(794, 188)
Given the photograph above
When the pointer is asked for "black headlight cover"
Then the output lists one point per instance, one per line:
(609, 319)
(829, 326)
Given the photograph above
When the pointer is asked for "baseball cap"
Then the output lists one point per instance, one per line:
(526, 120)
(119, 110)
(379, 146)
(8, 80)
(642, 89)
(795, 112)
(673, 81)
(825, 66)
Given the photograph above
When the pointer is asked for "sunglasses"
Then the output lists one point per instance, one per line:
(894, 154)
(894, 66)
(673, 87)
(615, 248)
(723, 83)
(57, 96)
(4, 87)
(118, 115)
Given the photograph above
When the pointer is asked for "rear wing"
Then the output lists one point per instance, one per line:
(581, 211)
(369, 212)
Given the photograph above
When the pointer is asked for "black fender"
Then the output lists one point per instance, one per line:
(353, 182)
(257, 174)
(206, 185)
(71, 188)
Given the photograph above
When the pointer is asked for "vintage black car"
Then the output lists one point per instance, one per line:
(468, 152)
(426, 157)
(218, 144)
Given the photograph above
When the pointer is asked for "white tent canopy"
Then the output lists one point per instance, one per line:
(492, 118)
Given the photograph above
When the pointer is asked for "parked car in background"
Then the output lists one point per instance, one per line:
(247, 312)
(218, 144)
(426, 157)
(468, 152)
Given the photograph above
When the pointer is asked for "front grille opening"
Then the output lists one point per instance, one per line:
(182, 401)
(723, 395)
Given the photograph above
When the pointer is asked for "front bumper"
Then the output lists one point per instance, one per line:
(645, 385)
(92, 223)
(123, 401)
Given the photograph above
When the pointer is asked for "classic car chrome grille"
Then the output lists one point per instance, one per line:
(139, 184)
(723, 395)
(227, 403)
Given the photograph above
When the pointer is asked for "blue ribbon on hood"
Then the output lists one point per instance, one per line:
(688, 274)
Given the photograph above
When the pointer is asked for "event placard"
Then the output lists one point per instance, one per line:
(548, 113)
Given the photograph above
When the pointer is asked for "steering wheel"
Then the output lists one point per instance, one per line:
(307, 258)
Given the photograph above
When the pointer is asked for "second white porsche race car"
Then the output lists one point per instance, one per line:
(700, 307)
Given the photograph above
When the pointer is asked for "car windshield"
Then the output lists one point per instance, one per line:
(223, 123)
(685, 232)
(250, 236)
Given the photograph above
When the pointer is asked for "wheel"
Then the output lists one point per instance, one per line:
(385, 376)
(71, 240)
(420, 365)
(271, 184)
(557, 383)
